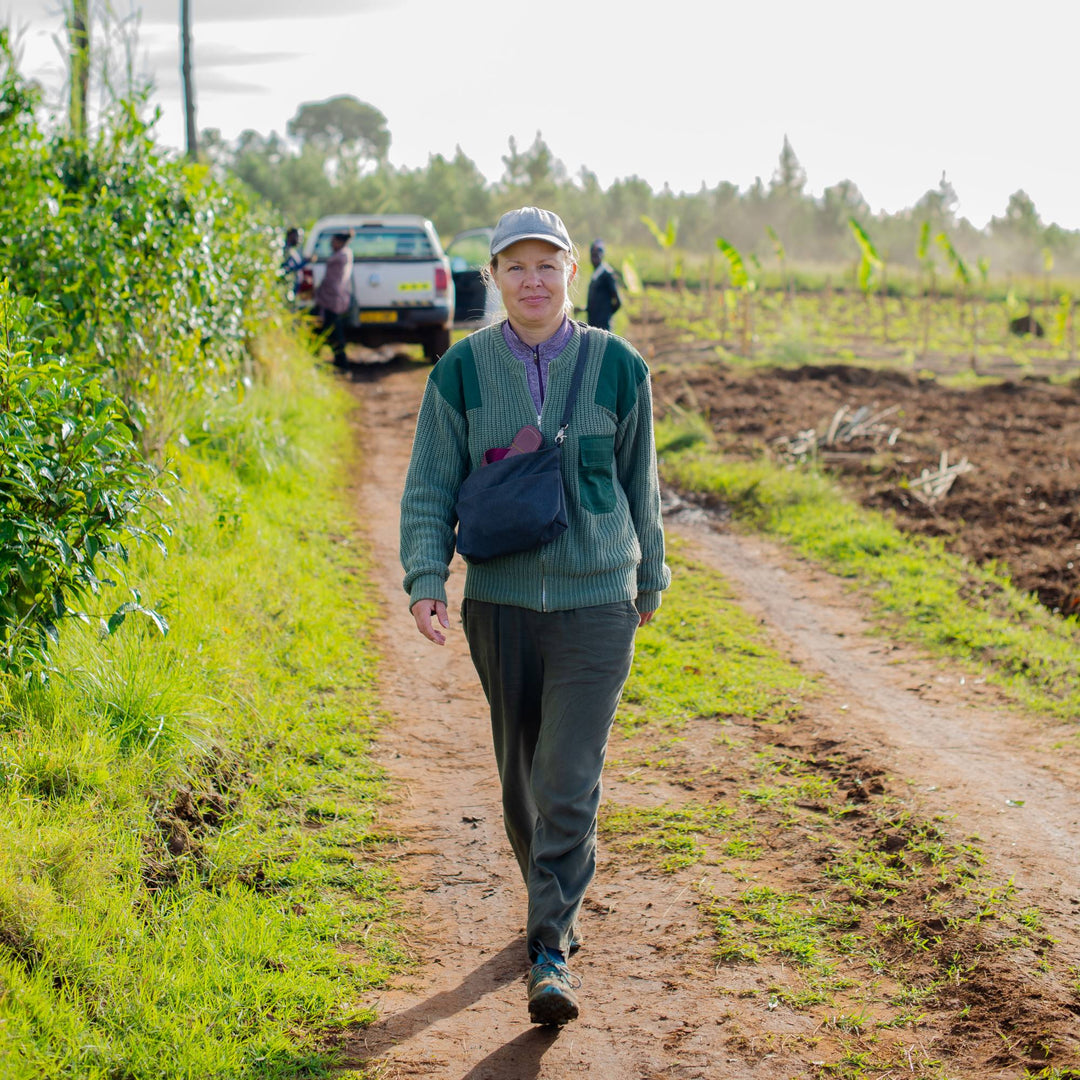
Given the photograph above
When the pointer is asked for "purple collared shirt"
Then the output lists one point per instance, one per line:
(537, 358)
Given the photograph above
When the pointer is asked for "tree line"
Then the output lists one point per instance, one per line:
(334, 159)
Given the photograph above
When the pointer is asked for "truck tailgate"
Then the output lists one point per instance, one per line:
(393, 285)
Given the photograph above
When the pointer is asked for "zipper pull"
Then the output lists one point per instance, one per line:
(539, 374)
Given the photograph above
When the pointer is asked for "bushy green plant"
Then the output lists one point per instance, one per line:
(136, 281)
(72, 487)
(150, 268)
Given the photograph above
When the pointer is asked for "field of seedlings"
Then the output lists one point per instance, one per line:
(945, 336)
(984, 453)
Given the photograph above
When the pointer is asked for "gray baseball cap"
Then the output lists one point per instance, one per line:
(529, 223)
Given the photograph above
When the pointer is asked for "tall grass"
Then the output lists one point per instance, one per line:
(189, 879)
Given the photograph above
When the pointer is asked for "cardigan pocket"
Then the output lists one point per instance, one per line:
(595, 472)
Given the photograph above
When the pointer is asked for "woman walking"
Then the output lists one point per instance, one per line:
(550, 629)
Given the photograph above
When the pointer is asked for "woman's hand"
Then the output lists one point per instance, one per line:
(644, 617)
(422, 612)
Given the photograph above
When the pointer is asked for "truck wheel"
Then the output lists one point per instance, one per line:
(436, 342)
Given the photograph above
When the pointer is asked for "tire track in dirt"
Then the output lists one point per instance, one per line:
(650, 995)
(947, 733)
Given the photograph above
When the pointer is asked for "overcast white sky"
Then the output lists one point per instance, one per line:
(681, 91)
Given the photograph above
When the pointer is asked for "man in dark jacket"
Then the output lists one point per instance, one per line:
(604, 298)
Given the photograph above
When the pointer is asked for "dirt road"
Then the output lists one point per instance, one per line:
(655, 1001)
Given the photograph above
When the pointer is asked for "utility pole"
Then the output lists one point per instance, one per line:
(78, 19)
(188, 81)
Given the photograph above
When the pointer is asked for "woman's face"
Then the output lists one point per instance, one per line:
(533, 276)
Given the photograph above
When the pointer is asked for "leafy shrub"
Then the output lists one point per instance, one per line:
(141, 278)
(156, 270)
(72, 487)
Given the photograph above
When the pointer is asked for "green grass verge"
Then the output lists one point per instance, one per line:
(706, 658)
(186, 822)
(923, 592)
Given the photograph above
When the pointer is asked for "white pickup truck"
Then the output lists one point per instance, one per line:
(401, 284)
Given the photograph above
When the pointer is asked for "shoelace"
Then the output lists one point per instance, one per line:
(550, 967)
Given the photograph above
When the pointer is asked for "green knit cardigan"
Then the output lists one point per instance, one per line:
(477, 397)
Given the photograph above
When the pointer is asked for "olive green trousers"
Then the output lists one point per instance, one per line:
(553, 681)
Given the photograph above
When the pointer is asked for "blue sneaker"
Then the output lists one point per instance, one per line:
(551, 989)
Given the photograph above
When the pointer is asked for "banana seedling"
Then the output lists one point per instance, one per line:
(781, 258)
(870, 271)
(962, 278)
(961, 271)
(632, 281)
(1048, 269)
(630, 276)
(1065, 324)
(665, 239)
(928, 267)
(747, 286)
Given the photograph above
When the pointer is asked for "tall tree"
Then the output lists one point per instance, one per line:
(533, 175)
(78, 20)
(344, 127)
(789, 179)
(938, 205)
(1021, 216)
(188, 80)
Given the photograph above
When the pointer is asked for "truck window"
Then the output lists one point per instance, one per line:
(381, 244)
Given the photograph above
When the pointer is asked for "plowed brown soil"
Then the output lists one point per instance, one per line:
(657, 1001)
(1018, 506)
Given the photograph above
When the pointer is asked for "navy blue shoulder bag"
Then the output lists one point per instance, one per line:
(517, 503)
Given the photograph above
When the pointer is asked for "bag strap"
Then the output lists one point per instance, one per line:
(575, 386)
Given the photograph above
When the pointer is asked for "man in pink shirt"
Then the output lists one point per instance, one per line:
(334, 294)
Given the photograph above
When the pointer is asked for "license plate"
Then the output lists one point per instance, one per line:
(378, 316)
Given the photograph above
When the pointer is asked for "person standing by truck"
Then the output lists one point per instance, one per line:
(334, 294)
(292, 261)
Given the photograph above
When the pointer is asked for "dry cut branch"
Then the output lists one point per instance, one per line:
(844, 427)
(931, 487)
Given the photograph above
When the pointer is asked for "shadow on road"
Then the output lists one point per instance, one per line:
(368, 365)
(519, 1059)
(505, 966)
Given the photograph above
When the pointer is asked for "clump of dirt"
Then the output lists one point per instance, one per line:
(189, 815)
(1018, 506)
